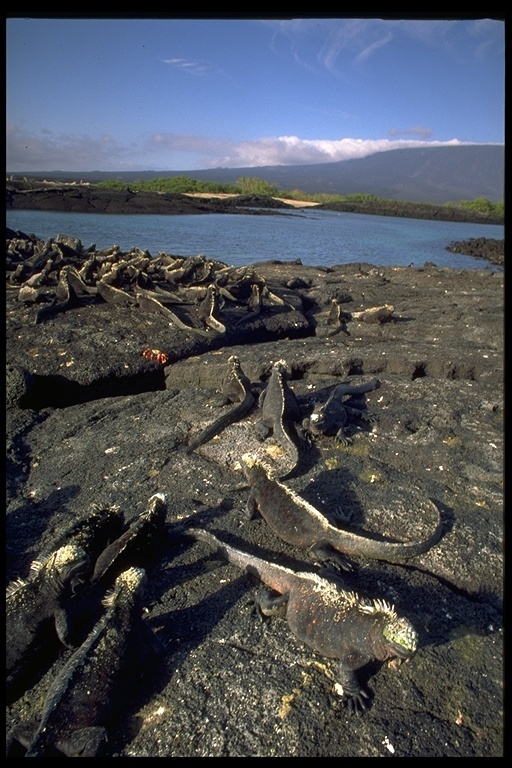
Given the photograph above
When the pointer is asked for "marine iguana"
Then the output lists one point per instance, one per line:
(93, 532)
(300, 524)
(136, 546)
(38, 603)
(333, 621)
(209, 307)
(93, 682)
(68, 296)
(236, 388)
(280, 415)
(154, 304)
(254, 304)
(330, 417)
(336, 321)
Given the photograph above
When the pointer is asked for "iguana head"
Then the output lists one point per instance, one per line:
(317, 420)
(401, 636)
(131, 584)
(156, 508)
(65, 568)
(280, 366)
(251, 462)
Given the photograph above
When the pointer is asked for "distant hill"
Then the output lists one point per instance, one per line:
(432, 174)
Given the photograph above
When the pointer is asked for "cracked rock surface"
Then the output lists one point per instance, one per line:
(92, 421)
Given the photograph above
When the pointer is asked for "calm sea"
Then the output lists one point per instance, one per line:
(317, 238)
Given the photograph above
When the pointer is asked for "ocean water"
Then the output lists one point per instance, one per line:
(317, 238)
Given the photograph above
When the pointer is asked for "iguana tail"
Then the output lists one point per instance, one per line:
(222, 422)
(349, 389)
(389, 551)
(233, 555)
(275, 576)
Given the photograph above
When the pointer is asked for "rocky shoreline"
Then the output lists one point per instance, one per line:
(94, 421)
(91, 199)
(87, 198)
(482, 247)
(412, 211)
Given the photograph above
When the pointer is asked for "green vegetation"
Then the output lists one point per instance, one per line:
(245, 185)
(248, 185)
(482, 205)
(165, 185)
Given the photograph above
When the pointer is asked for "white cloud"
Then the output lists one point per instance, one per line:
(370, 49)
(192, 67)
(48, 151)
(291, 150)
(338, 43)
(288, 150)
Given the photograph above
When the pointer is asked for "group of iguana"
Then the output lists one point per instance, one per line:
(279, 411)
(189, 292)
(86, 594)
(332, 620)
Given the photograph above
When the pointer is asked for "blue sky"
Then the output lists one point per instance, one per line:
(184, 94)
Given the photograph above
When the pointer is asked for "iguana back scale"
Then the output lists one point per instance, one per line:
(280, 414)
(331, 620)
(300, 524)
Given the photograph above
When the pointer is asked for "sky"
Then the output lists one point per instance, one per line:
(119, 94)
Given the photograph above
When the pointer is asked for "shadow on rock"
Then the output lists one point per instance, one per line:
(26, 523)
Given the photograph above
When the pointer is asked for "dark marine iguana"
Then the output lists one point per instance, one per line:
(95, 680)
(136, 545)
(36, 607)
(93, 532)
(280, 415)
(300, 524)
(333, 621)
(236, 388)
(209, 307)
(71, 292)
(330, 417)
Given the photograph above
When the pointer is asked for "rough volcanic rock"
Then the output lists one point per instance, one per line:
(487, 248)
(92, 199)
(401, 209)
(90, 420)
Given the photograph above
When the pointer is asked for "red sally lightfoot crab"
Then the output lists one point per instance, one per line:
(156, 354)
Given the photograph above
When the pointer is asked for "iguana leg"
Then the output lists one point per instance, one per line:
(263, 431)
(251, 507)
(306, 430)
(369, 417)
(354, 697)
(360, 413)
(87, 742)
(341, 438)
(269, 603)
(305, 435)
(339, 516)
(62, 628)
(221, 400)
(324, 553)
